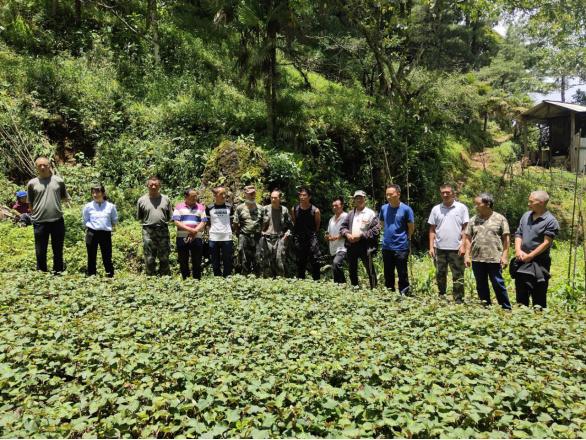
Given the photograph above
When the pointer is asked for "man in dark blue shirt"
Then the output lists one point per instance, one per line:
(398, 223)
(533, 239)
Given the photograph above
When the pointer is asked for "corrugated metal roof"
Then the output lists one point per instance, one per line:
(552, 109)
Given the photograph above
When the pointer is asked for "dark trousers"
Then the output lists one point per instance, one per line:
(338, 267)
(221, 255)
(493, 271)
(189, 250)
(103, 239)
(355, 252)
(528, 287)
(42, 232)
(396, 260)
(307, 249)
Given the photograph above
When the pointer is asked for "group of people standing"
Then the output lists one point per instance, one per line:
(267, 235)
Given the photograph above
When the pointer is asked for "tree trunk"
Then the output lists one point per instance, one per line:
(271, 78)
(271, 89)
(563, 88)
(54, 6)
(77, 13)
(485, 121)
(152, 25)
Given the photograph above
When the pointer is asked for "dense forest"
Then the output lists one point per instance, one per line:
(332, 94)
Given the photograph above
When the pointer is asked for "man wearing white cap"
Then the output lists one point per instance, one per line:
(361, 229)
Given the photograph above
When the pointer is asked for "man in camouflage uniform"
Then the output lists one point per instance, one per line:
(154, 212)
(487, 250)
(247, 222)
(276, 227)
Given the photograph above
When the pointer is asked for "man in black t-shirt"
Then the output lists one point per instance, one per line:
(306, 221)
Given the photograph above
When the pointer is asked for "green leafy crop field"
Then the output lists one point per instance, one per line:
(146, 357)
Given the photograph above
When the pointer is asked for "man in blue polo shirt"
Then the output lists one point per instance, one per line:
(398, 223)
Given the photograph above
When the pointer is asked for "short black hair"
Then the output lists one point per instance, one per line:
(340, 198)
(395, 187)
(277, 190)
(188, 190)
(304, 189)
(154, 177)
(447, 185)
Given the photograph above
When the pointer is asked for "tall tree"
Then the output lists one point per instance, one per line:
(557, 31)
(152, 28)
(261, 24)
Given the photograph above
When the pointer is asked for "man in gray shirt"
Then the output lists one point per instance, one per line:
(45, 193)
(447, 226)
(533, 239)
(154, 212)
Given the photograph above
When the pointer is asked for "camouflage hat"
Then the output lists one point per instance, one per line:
(249, 189)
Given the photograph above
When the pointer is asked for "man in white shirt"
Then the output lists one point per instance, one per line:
(220, 216)
(447, 228)
(361, 229)
(336, 241)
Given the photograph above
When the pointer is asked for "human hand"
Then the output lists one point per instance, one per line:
(432, 253)
(504, 262)
(462, 250)
(520, 255)
(467, 261)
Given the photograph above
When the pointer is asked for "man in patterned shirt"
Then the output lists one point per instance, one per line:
(487, 249)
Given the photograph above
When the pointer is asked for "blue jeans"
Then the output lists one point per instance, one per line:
(221, 255)
(482, 273)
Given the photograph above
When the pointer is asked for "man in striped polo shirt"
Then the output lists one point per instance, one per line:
(190, 219)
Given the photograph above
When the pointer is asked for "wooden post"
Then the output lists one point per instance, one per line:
(573, 150)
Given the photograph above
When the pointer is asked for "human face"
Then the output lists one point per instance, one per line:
(43, 167)
(337, 207)
(535, 204)
(275, 199)
(191, 198)
(154, 187)
(481, 208)
(304, 197)
(220, 197)
(447, 194)
(393, 196)
(97, 195)
(359, 202)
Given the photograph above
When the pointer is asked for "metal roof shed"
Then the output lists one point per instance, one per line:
(563, 130)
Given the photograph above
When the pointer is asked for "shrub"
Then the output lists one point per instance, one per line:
(158, 357)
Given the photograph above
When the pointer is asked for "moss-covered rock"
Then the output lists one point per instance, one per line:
(234, 164)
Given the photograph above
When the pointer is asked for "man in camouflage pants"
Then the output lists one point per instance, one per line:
(247, 218)
(276, 227)
(447, 246)
(154, 212)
